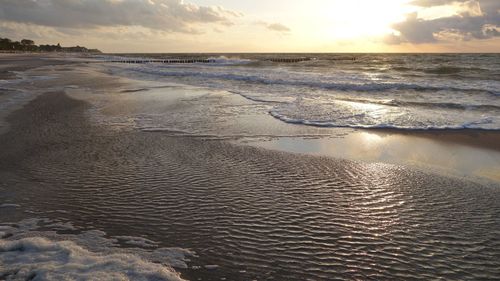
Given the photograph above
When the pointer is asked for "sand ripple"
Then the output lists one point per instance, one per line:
(275, 215)
(254, 213)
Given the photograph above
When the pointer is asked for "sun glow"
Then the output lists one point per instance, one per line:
(365, 18)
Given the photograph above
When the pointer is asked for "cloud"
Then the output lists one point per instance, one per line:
(19, 30)
(475, 19)
(278, 27)
(431, 3)
(164, 15)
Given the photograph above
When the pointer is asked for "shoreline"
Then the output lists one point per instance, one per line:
(81, 153)
(488, 139)
(429, 154)
(247, 213)
(363, 144)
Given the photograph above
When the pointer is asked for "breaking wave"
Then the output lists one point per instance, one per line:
(428, 91)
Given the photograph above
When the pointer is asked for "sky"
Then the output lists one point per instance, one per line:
(257, 25)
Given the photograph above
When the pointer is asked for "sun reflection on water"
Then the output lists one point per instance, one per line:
(371, 139)
(379, 147)
(373, 113)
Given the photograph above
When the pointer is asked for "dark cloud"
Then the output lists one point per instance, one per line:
(481, 23)
(165, 15)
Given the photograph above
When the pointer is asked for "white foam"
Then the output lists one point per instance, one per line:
(341, 96)
(366, 115)
(62, 226)
(42, 259)
(211, 266)
(339, 81)
(28, 253)
(476, 125)
(8, 205)
(223, 60)
(137, 241)
(175, 257)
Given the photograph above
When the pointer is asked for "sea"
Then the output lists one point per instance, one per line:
(399, 91)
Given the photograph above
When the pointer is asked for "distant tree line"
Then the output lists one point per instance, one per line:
(27, 45)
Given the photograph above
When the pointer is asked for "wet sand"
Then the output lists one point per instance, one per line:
(477, 138)
(255, 213)
(466, 154)
(10, 63)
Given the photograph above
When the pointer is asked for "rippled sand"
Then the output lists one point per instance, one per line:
(256, 213)
(247, 212)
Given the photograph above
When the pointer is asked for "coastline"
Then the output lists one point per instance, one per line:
(10, 63)
(236, 205)
(433, 150)
(472, 137)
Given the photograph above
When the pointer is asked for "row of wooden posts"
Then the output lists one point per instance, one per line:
(182, 61)
(165, 61)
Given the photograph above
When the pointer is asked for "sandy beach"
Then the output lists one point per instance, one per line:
(253, 198)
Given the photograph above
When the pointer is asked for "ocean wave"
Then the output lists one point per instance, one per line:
(211, 60)
(439, 69)
(228, 61)
(386, 102)
(266, 99)
(339, 86)
(451, 70)
(476, 125)
(348, 90)
(435, 105)
(402, 68)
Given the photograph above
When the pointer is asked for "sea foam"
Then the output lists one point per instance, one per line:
(425, 92)
(29, 254)
(38, 258)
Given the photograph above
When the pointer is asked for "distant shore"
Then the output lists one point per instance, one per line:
(27, 45)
